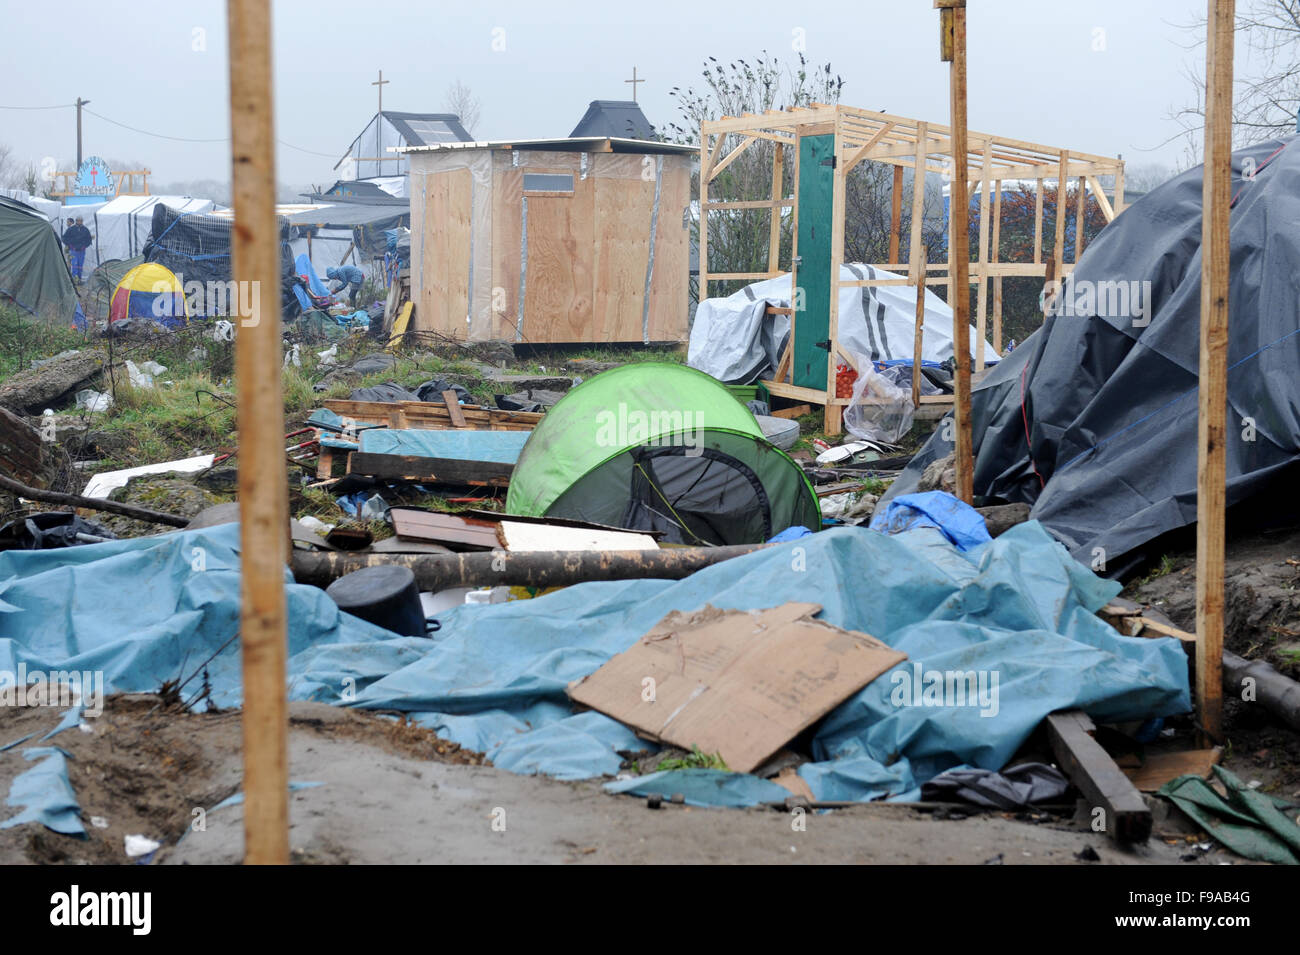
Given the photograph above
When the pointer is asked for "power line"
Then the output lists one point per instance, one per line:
(178, 139)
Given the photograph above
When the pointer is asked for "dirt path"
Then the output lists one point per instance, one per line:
(390, 796)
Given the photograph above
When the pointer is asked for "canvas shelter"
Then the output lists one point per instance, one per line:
(123, 226)
(149, 291)
(33, 273)
(661, 447)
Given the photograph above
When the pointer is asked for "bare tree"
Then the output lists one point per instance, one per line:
(1267, 83)
(462, 101)
(11, 174)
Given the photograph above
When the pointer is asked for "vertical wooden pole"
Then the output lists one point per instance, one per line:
(1118, 203)
(997, 279)
(895, 215)
(982, 254)
(1211, 472)
(263, 489)
(953, 14)
(1038, 221)
(917, 255)
(1062, 185)
(778, 193)
(920, 329)
(1080, 214)
(702, 239)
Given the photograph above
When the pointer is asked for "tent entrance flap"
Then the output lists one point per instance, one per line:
(700, 496)
(812, 269)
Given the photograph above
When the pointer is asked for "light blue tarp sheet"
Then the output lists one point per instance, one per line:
(501, 447)
(1017, 609)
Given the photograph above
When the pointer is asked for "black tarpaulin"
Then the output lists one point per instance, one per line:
(1093, 419)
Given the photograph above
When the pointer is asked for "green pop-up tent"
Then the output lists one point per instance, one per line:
(664, 447)
(33, 273)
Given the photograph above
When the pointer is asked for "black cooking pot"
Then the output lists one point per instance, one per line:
(385, 596)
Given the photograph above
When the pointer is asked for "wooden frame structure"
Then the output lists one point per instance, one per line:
(862, 135)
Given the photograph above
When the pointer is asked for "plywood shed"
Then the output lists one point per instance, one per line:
(826, 142)
(551, 241)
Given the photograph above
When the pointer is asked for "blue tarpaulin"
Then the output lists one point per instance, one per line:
(501, 447)
(959, 522)
(1017, 613)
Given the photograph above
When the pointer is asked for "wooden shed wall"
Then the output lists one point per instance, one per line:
(584, 263)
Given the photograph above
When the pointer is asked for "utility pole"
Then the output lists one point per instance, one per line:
(80, 103)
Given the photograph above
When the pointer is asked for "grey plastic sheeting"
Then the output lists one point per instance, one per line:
(1108, 404)
(1017, 610)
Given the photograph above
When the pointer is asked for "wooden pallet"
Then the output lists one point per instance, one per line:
(432, 415)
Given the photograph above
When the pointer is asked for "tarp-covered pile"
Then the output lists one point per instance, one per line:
(735, 341)
(1017, 613)
(1092, 419)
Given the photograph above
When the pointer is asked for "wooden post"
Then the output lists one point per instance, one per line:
(997, 280)
(953, 22)
(1058, 246)
(833, 418)
(263, 489)
(703, 239)
(982, 254)
(920, 326)
(774, 229)
(1118, 203)
(1080, 214)
(1038, 221)
(895, 215)
(1211, 472)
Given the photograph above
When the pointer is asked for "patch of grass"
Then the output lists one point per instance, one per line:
(24, 339)
(695, 759)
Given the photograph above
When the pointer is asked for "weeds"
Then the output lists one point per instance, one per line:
(695, 759)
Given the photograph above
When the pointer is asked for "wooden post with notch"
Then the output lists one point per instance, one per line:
(263, 490)
(952, 14)
(1211, 471)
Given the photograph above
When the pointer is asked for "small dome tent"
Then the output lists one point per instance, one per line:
(149, 291)
(661, 447)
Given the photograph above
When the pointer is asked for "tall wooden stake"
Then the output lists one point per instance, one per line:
(1212, 421)
(263, 490)
(952, 14)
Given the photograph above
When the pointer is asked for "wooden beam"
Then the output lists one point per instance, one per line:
(1080, 213)
(732, 156)
(1107, 209)
(895, 213)
(1038, 221)
(774, 227)
(1118, 201)
(454, 411)
(861, 152)
(997, 279)
(702, 238)
(1123, 812)
(263, 490)
(959, 254)
(1211, 464)
(982, 296)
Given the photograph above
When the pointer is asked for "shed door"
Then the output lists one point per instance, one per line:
(557, 293)
(812, 273)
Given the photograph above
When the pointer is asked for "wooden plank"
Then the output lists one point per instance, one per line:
(517, 536)
(917, 339)
(671, 278)
(863, 151)
(1080, 212)
(732, 156)
(1058, 246)
(507, 196)
(981, 312)
(774, 227)
(1211, 458)
(735, 683)
(1107, 209)
(1112, 800)
(1160, 768)
(325, 464)
(453, 409)
(622, 223)
(797, 411)
(405, 467)
(263, 492)
(453, 530)
(401, 324)
(1038, 221)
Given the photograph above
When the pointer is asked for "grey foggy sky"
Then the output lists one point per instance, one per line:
(1033, 71)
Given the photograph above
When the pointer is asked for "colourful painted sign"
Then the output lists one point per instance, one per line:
(94, 179)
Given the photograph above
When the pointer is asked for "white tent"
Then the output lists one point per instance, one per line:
(122, 226)
(46, 207)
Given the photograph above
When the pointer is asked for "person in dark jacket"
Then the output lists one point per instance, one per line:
(77, 239)
(349, 277)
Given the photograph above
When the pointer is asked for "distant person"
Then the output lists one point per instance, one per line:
(349, 277)
(77, 239)
(70, 224)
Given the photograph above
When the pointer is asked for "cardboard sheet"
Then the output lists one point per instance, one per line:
(741, 684)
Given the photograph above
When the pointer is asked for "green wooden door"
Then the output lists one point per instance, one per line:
(812, 273)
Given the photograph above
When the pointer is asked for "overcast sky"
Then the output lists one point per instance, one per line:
(1099, 77)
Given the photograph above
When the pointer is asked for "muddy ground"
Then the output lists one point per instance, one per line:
(1262, 622)
(394, 793)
